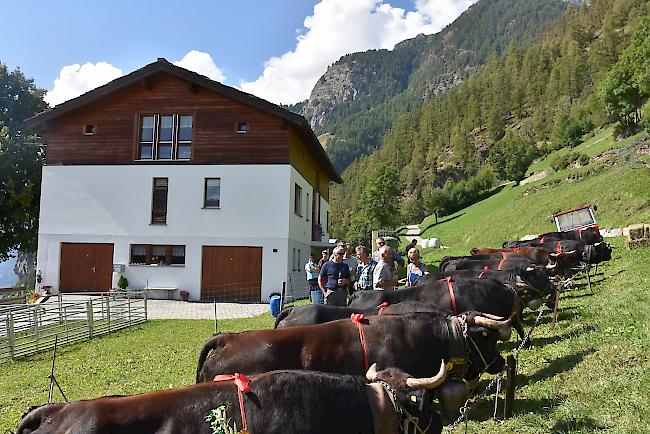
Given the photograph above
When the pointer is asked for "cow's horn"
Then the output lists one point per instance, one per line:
(428, 383)
(551, 266)
(491, 323)
(553, 254)
(598, 244)
(530, 268)
(371, 375)
(490, 316)
(570, 252)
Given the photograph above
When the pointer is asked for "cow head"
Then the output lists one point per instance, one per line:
(533, 283)
(412, 396)
(599, 252)
(483, 333)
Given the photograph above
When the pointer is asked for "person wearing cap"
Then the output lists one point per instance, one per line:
(324, 258)
(334, 279)
(395, 257)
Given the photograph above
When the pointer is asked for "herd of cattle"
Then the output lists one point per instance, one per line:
(420, 349)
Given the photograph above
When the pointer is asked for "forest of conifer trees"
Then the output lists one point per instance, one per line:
(591, 69)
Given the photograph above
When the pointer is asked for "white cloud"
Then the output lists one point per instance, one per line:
(76, 79)
(201, 63)
(338, 27)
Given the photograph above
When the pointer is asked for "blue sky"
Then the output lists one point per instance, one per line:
(275, 49)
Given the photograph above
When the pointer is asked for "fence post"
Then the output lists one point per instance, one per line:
(146, 316)
(284, 289)
(511, 370)
(89, 315)
(37, 333)
(10, 335)
(108, 312)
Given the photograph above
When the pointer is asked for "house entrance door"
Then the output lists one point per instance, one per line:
(85, 267)
(231, 274)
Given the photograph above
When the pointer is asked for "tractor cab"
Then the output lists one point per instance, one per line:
(577, 218)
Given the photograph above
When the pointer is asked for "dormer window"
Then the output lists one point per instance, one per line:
(242, 127)
(165, 137)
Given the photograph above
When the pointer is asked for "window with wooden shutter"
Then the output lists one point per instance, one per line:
(159, 202)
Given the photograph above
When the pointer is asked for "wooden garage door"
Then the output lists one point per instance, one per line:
(231, 274)
(85, 267)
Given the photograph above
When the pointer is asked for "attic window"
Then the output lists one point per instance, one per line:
(89, 129)
(242, 127)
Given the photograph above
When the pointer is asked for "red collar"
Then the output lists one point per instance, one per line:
(357, 318)
(242, 383)
(450, 287)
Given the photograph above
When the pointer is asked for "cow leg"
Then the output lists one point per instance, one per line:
(589, 281)
(516, 323)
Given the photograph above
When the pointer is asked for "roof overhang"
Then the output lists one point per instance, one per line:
(39, 122)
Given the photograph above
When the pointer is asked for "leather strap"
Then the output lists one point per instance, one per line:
(357, 318)
(384, 417)
(450, 287)
(504, 255)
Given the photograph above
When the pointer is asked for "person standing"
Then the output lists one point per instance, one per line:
(411, 245)
(311, 269)
(416, 268)
(383, 277)
(352, 264)
(364, 269)
(334, 279)
(324, 258)
(395, 257)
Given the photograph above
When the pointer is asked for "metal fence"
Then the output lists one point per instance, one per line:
(28, 329)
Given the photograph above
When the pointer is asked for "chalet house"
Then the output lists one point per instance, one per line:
(176, 182)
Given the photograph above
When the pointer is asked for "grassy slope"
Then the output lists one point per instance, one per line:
(590, 374)
(621, 193)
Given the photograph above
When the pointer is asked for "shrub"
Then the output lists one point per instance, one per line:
(122, 283)
(562, 161)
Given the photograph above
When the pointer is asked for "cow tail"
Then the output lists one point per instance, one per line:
(282, 315)
(209, 345)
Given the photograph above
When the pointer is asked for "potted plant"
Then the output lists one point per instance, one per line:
(185, 295)
(122, 283)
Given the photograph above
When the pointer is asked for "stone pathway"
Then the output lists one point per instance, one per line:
(413, 232)
(174, 309)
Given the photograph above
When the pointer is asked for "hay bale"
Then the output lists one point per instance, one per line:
(638, 243)
(637, 231)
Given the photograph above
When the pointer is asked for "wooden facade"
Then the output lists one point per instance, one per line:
(215, 138)
(103, 126)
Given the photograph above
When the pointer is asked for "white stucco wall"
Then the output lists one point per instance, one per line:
(112, 204)
(92, 204)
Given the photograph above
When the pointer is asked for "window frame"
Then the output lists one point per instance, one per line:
(205, 193)
(154, 221)
(297, 200)
(148, 255)
(155, 144)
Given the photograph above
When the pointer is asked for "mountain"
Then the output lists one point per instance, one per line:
(586, 71)
(359, 96)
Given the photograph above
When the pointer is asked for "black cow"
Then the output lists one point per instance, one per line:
(590, 235)
(575, 251)
(280, 402)
(532, 284)
(416, 343)
(320, 313)
(538, 256)
(483, 295)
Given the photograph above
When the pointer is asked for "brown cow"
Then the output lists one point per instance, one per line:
(415, 343)
(280, 402)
